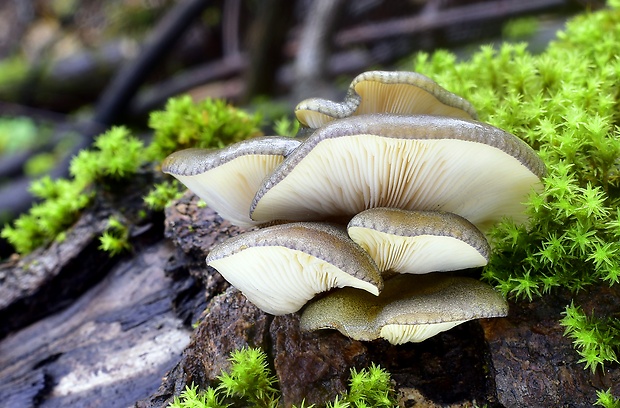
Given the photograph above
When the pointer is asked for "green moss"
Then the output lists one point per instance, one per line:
(19, 134)
(605, 399)
(250, 383)
(117, 155)
(596, 339)
(286, 127)
(564, 103)
(520, 28)
(210, 123)
(163, 194)
(115, 239)
(13, 71)
(249, 379)
(62, 202)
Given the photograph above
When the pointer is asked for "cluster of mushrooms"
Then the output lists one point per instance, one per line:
(386, 192)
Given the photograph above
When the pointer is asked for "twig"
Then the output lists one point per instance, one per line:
(126, 83)
(15, 197)
(441, 19)
(314, 48)
(157, 95)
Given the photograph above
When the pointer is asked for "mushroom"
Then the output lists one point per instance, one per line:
(227, 179)
(399, 92)
(411, 308)
(280, 268)
(421, 162)
(418, 242)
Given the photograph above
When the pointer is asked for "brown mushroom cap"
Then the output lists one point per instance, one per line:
(280, 268)
(422, 162)
(418, 241)
(227, 179)
(397, 92)
(411, 308)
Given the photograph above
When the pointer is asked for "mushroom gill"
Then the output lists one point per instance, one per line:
(396, 92)
(411, 308)
(227, 179)
(421, 162)
(418, 241)
(280, 268)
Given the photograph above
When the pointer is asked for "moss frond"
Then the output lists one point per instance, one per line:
(117, 155)
(596, 339)
(162, 194)
(209, 123)
(250, 381)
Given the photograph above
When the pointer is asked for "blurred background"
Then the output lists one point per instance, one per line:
(69, 69)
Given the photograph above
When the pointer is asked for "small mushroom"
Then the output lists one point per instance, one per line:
(280, 268)
(418, 241)
(399, 92)
(411, 308)
(227, 179)
(422, 162)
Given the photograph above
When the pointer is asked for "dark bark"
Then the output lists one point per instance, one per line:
(112, 345)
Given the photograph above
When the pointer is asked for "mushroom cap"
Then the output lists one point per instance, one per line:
(418, 241)
(280, 268)
(227, 179)
(422, 162)
(397, 92)
(411, 308)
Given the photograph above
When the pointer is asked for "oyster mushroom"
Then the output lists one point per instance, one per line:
(422, 162)
(399, 92)
(227, 179)
(280, 268)
(418, 241)
(411, 308)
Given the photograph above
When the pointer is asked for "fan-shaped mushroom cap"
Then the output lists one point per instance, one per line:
(227, 179)
(398, 92)
(419, 241)
(422, 162)
(411, 308)
(280, 268)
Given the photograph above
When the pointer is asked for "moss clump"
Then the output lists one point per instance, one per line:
(605, 399)
(286, 127)
(594, 338)
(162, 194)
(250, 383)
(115, 239)
(62, 202)
(117, 155)
(210, 123)
(565, 103)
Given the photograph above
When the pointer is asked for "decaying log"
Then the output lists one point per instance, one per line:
(113, 344)
(521, 360)
(46, 280)
(109, 348)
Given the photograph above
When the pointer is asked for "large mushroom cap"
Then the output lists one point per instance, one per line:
(411, 308)
(227, 179)
(398, 92)
(422, 162)
(418, 241)
(280, 268)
